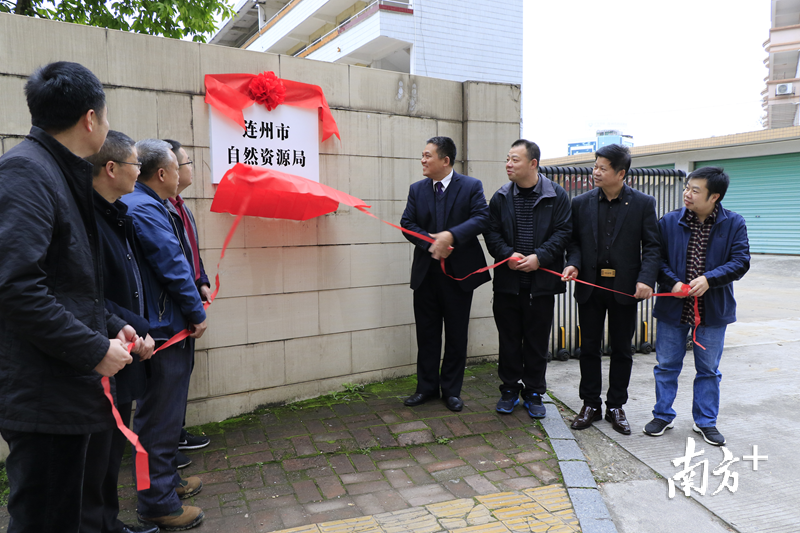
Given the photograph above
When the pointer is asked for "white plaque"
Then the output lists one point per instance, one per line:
(284, 139)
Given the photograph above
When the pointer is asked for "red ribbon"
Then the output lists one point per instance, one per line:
(684, 287)
(142, 466)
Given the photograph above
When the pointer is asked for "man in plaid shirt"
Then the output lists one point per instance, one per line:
(705, 246)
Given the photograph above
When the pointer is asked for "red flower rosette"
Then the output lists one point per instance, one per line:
(267, 89)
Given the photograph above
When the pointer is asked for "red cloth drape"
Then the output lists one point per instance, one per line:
(228, 94)
(263, 192)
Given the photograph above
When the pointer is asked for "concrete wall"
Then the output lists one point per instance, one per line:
(303, 306)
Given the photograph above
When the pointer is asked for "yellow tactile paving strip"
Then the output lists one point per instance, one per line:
(540, 510)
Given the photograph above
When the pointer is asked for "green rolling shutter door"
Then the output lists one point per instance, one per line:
(766, 192)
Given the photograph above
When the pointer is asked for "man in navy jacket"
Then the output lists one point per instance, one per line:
(173, 304)
(705, 246)
(450, 208)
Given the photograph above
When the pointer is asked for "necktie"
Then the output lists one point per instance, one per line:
(439, 188)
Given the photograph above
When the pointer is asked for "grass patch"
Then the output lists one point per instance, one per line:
(5, 489)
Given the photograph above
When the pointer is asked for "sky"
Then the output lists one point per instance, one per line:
(660, 71)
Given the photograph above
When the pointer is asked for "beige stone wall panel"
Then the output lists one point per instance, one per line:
(200, 121)
(318, 358)
(482, 337)
(442, 99)
(198, 385)
(360, 133)
(379, 90)
(379, 264)
(332, 78)
(334, 171)
(315, 268)
(246, 368)
(491, 173)
(227, 322)
(263, 232)
(155, 63)
(283, 316)
(15, 119)
(397, 305)
(212, 228)
(397, 175)
(346, 310)
(378, 349)
(247, 271)
(489, 141)
(27, 43)
(215, 59)
(405, 136)
(365, 178)
(491, 102)
(348, 226)
(133, 112)
(175, 117)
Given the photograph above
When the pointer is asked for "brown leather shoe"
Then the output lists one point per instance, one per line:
(186, 517)
(189, 487)
(585, 418)
(616, 416)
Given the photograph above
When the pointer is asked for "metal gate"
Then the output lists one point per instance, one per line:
(666, 186)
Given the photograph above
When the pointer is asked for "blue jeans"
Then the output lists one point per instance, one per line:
(158, 419)
(670, 351)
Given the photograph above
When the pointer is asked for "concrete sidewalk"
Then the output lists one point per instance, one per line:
(759, 407)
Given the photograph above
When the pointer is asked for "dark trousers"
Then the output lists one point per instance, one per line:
(45, 472)
(100, 496)
(158, 423)
(523, 328)
(439, 299)
(621, 327)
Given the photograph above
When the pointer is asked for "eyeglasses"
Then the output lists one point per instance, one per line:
(187, 163)
(138, 165)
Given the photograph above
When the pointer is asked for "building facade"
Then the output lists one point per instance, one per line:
(456, 40)
(781, 96)
(764, 167)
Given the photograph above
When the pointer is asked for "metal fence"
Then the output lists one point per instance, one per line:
(666, 186)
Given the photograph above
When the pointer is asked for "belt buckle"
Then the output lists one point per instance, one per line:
(607, 273)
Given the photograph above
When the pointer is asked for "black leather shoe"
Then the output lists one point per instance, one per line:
(585, 418)
(616, 416)
(454, 403)
(144, 528)
(417, 399)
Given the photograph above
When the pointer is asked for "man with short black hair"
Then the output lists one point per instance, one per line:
(173, 304)
(53, 324)
(114, 170)
(705, 246)
(614, 245)
(451, 209)
(530, 222)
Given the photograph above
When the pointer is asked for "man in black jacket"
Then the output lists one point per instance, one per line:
(614, 245)
(115, 169)
(54, 329)
(530, 222)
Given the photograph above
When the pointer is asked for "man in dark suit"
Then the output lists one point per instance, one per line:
(614, 245)
(451, 209)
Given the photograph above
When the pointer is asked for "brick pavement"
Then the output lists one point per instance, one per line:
(346, 456)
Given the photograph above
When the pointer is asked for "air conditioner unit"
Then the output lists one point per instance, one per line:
(784, 88)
